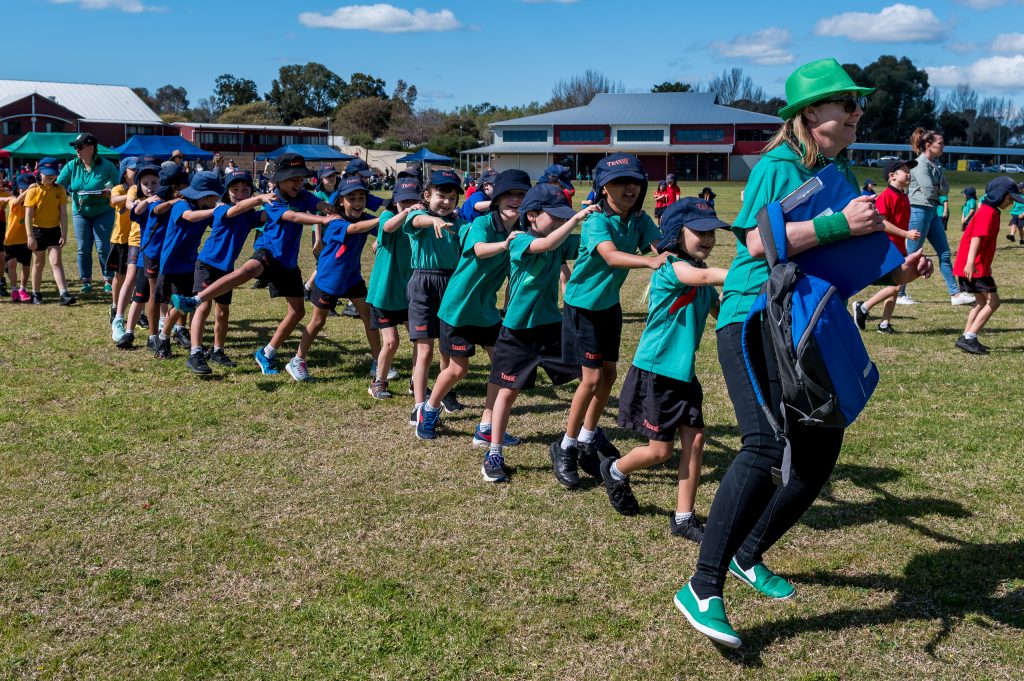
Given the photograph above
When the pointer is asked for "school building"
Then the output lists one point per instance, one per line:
(685, 133)
(234, 140)
(112, 113)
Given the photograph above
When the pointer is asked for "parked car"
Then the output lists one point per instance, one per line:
(991, 169)
(881, 161)
(975, 166)
(1011, 168)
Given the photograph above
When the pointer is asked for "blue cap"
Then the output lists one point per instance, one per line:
(231, 178)
(407, 189)
(548, 198)
(326, 171)
(690, 212)
(203, 184)
(350, 184)
(357, 166)
(48, 166)
(507, 181)
(25, 180)
(557, 173)
(127, 163)
(171, 176)
(440, 178)
(618, 165)
(997, 189)
(487, 177)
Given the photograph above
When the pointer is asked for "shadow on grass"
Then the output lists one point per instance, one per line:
(955, 333)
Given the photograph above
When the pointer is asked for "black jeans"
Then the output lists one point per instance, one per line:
(750, 513)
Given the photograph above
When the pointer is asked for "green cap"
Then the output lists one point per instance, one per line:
(815, 81)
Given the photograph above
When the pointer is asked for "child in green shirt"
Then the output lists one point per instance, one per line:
(970, 206)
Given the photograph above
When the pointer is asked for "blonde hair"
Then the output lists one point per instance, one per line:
(797, 135)
(920, 139)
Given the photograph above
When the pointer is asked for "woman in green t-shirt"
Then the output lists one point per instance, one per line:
(750, 514)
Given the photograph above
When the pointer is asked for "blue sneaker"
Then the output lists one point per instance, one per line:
(426, 426)
(493, 469)
(267, 365)
(185, 304)
(707, 616)
(483, 439)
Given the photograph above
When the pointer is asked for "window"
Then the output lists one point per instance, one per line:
(641, 135)
(140, 130)
(12, 128)
(699, 135)
(583, 135)
(754, 135)
(53, 126)
(525, 136)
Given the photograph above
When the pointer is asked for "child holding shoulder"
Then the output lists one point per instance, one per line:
(46, 225)
(661, 395)
(894, 207)
(973, 265)
(117, 259)
(592, 315)
(531, 332)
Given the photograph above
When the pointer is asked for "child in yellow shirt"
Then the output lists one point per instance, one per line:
(46, 224)
(16, 252)
(117, 260)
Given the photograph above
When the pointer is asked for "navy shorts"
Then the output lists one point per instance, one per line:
(591, 337)
(977, 284)
(425, 290)
(655, 405)
(280, 281)
(174, 284)
(46, 237)
(18, 252)
(117, 260)
(519, 352)
(386, 319)
(151, 267)
(328, 301)
(461, 341)
(206, 275)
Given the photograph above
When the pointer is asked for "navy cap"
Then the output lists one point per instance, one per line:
(231, 178)
(618, 165)
(413, 169)
(127, 163)
(357, 165)
(287, 166)
(970, 192)
(326, 171)
(350, 184)
(48, 166)
(439, 178)
(557, 173)
(203, 184)
(85, 139)
(690, 212)
(487, 177)
(407, 189)
(507, 181)
(997, 189)
(25, 180)
(893, 165)
(171, 175)
(548, 198)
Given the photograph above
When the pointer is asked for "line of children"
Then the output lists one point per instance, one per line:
(46, 228)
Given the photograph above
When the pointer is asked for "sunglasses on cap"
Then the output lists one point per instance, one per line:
(849, 102)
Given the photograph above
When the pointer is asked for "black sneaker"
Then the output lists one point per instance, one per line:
(37, 298)
(563, 462)
(218, 357)
(126, 341)
(4, 292)
(590, 460)
(859, 314)
(196, 363)
(143, 320)
(604, 446)
(620, 494)
(307, 293)
(886, 329)
(66, 299)
(153, 344)
(182, 337)
(1009, 237)
(451, 403)
(163, 348)
(350, 310)
(971, 346)
(691, 528)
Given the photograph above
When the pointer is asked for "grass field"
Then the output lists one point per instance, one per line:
(156, 526)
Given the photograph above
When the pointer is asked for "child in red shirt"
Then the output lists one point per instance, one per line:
(894, 206)
(661, 201)
(973, 266)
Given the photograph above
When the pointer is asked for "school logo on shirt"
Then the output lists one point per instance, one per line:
(650, 426)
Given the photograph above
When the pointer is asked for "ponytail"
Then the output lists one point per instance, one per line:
(921, 138)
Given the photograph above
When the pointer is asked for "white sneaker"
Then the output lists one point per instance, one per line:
(905, 300)
(392, 374)
(962, 299)
(297, 369)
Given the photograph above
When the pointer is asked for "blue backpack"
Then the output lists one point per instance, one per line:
(825, 373)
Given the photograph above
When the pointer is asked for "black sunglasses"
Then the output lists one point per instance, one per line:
(849, 102)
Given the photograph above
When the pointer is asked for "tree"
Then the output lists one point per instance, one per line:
(143, 93)
(170, 99)
(899, 103)
(770, 107)
(954, 127)
(416, 128)
(368, 116)
(253, 113)
(205, 111)
(962, 99)
(362, 86)
(458, 133)
(404, 96)
(308, 90)
(579, 90)
(229, 91)
(674, 86)
(734, 85)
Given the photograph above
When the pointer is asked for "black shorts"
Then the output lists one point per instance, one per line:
(461, 341)
(46, 237)
(168, 284)
(206, 275)
(18, 252)
(151, 267)
(141, 295)
(591, 337)
(1017, 220)
(117, 261)
(655, 406)
(385, 319)
(658, 210)
(133, 255)
(425, 290)
(977, 284)
(518, 353)
(280, 281)
(328, 301)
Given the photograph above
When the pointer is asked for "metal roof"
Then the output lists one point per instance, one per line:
(646, 108)
(109, 103)
(244, 126)
(541, 148)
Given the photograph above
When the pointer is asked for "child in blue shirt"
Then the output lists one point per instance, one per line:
(275, 260)
(147, 184)
(233, 219)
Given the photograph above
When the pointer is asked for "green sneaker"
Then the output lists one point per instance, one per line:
(707, 616)
(764, 580)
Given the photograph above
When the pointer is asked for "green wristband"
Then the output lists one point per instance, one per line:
(831, 228)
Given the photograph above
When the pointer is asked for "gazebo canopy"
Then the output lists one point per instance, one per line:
(55, 144)
(161, 146)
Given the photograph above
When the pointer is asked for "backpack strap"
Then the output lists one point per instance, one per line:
(771, 226)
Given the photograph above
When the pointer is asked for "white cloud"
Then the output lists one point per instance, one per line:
(897, 23)
(382, 18)
(992, 73)
(1008, 43)
(767, 46)
(987, 4)
(130, 6)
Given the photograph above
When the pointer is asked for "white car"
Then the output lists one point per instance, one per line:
(880, 162)
(1011, 168)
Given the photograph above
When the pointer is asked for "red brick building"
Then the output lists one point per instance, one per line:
(237, 140)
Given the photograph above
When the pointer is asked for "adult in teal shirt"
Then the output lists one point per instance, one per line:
(89, 179)
(750, 514)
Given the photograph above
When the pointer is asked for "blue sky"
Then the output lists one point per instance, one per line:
(509, 51)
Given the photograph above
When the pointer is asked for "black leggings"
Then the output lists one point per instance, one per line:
(750, 513)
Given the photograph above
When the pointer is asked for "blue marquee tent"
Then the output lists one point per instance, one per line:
(425, 155)
(310, 152)
(161, 146)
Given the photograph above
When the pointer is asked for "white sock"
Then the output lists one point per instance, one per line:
(495, 450)
(485, 427)
(568, 441)
(160, 323)
(269, 351)
(218, 349)
(883, 324)
(196, 349)
(616, 475)
(587, 435)
(427, 407)
(163, 336)
(680, 517)
(970, 336)
(119, 317)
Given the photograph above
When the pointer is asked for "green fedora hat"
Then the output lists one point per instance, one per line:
(814, 81)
